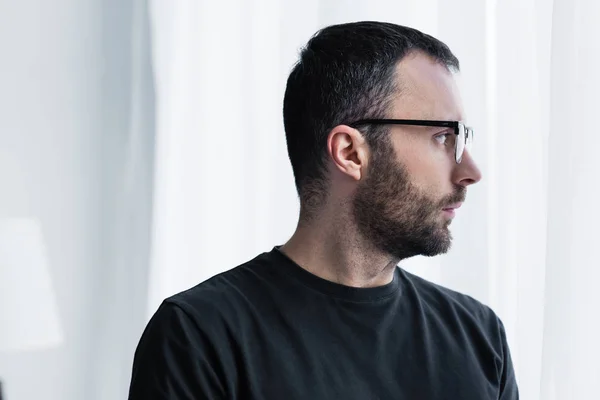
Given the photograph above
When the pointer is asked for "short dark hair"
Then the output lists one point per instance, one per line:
(344, 73)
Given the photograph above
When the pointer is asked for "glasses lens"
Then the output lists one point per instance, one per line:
(469, 141)
(460, 142)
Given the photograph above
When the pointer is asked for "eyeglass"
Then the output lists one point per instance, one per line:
(464, 134)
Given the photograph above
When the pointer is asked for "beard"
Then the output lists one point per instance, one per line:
(397, 217)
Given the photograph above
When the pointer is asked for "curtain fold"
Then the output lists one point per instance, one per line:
(121, 292)
(571, 317)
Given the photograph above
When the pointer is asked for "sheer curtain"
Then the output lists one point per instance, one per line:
(223, 187)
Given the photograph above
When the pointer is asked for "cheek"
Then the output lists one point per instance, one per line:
(429, 174)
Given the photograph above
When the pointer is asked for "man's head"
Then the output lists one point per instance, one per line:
(394, 180)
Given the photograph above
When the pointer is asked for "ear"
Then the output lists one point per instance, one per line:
(348, 150)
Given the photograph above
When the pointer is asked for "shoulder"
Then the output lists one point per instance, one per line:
(473, 326)
(462, 319)
(217, 299)
(187, 344)
(452, 306)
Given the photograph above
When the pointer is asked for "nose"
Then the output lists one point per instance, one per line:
(467, 172)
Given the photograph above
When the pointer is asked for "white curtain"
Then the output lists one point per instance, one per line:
(223, 189)
(121, 284)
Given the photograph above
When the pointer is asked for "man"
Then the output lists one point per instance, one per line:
(381, 163)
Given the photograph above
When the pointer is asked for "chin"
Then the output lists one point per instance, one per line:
(438, 245)
(435, 249)
(433, 246)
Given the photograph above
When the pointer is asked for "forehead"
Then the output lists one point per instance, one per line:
(428, 90)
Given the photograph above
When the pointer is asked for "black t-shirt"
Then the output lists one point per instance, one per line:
(268, 329)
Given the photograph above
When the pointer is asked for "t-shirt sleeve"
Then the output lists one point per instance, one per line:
(175, 360)
(508, 381)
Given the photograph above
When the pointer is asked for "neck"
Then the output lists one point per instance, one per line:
(332, 248)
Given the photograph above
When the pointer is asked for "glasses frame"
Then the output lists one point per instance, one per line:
(458, 126)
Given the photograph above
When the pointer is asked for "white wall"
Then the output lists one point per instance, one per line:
(64, 93)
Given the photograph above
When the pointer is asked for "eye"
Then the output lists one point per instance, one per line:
(443, 138)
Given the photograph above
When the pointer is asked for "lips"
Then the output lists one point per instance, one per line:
(452, 207)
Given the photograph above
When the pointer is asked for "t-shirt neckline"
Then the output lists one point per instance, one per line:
(333, 289)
